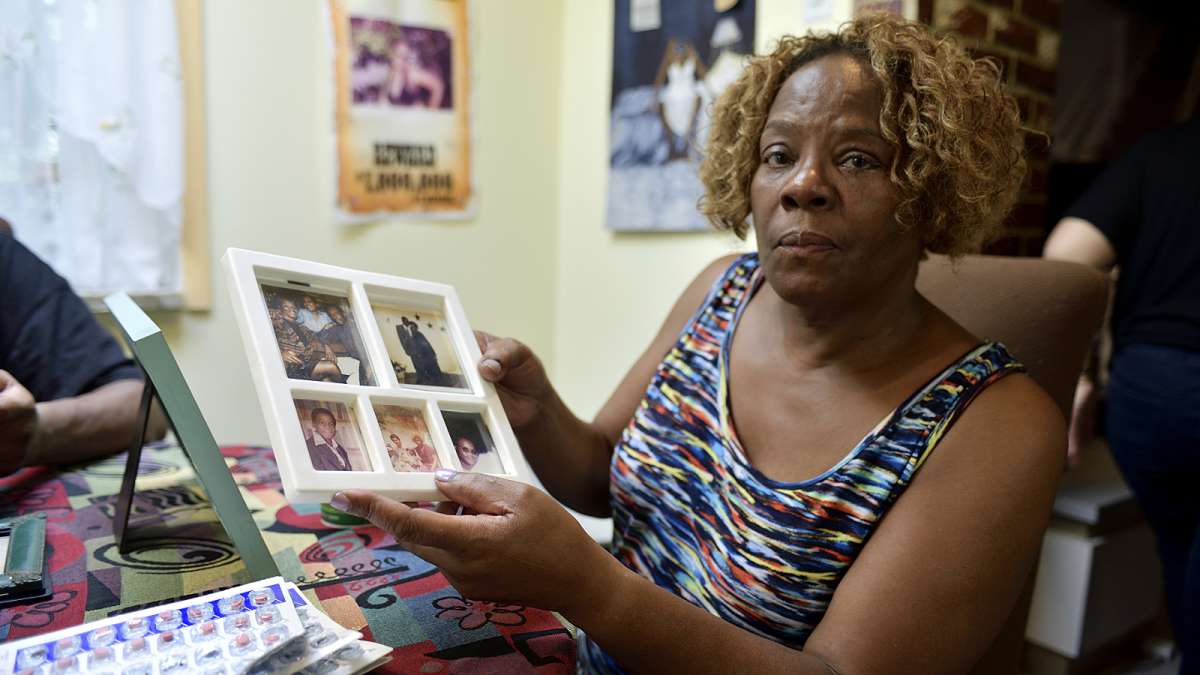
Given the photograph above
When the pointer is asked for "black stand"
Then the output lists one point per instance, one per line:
(129, 479)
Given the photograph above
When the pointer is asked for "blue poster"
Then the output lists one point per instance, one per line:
(671, 60)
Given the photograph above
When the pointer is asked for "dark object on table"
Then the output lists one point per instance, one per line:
(23, 553)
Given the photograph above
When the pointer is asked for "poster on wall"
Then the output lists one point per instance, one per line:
(402, 109)
(897, 7)
(671, 60)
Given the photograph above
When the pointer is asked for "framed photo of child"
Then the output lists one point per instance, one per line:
(365, 380)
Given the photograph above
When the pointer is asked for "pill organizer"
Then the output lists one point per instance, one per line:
(262, 628)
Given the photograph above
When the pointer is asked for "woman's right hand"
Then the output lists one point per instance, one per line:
(518, 374)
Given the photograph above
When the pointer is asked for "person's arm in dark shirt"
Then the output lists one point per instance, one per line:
(1104, 221)
(67, 392)
(1099, 223)
(1077, 240)
(67, 430)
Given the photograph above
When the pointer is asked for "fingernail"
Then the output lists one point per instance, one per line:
(340, 502)
(491, 364)
(444, 475)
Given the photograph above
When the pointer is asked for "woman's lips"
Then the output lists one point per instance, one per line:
(806, 241)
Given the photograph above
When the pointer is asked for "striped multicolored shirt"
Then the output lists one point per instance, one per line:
(694, 516)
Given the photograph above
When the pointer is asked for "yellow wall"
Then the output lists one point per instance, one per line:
(269, 111)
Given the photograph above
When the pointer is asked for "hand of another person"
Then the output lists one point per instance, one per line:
(1083, 419)
(517, 373)
(18, 423)
(292, 357)
(519, 547)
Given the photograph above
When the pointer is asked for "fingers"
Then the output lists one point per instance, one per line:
(12, 393)
(409, 526)
(480, 492)
(430, 554)
(501, 355)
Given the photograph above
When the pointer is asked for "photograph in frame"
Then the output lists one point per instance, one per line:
(399, 65)
(474, 448)
(357, 450)
(407, 439)
(316, 335)
(420, 346)
(331, 436)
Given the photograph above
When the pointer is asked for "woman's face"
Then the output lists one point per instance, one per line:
(466, 453)
(823, 207)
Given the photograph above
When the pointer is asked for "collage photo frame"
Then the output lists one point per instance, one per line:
(366, 380)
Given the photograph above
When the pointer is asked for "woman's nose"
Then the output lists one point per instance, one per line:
(808, 188)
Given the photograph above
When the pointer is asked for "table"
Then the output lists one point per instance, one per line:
(360, 576)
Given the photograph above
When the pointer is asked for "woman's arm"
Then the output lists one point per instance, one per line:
(928, 593)
(569, 455)
(523, 548)
(941, 574)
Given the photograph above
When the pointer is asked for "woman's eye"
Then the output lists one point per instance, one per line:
(775, 158)
(858, 161)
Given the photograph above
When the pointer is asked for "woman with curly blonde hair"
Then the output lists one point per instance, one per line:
(769, 462)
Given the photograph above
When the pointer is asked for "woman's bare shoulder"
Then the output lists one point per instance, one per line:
(1012, 423)
(696, 291)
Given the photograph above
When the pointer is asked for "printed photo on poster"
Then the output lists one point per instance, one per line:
(406, 437)
(664, 81)
(402, 109)
(316, 336)
(473, 444)
(404, 66)
(331, 435)
(419, 346)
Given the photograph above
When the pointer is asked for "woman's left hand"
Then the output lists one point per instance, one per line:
(519, 546)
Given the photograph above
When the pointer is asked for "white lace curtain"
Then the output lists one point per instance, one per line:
(91, 140)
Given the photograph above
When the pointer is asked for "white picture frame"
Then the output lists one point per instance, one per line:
(410, 404)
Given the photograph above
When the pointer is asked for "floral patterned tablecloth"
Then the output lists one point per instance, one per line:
(358, 575)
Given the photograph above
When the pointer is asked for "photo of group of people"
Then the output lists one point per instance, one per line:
(331, 435)
(406, 437)
(419, 346)
(316, 336)
(472, 442)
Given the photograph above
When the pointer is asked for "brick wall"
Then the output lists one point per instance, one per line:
(1022, 36)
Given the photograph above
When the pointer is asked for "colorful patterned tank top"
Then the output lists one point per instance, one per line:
(693, 515)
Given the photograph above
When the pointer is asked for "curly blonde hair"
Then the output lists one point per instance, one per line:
(960, 153)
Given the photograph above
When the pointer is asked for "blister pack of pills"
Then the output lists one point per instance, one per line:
(262, 628)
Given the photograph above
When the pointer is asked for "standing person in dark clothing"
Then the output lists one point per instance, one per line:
(67, 392)
(1143, 216)
(423, 356)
